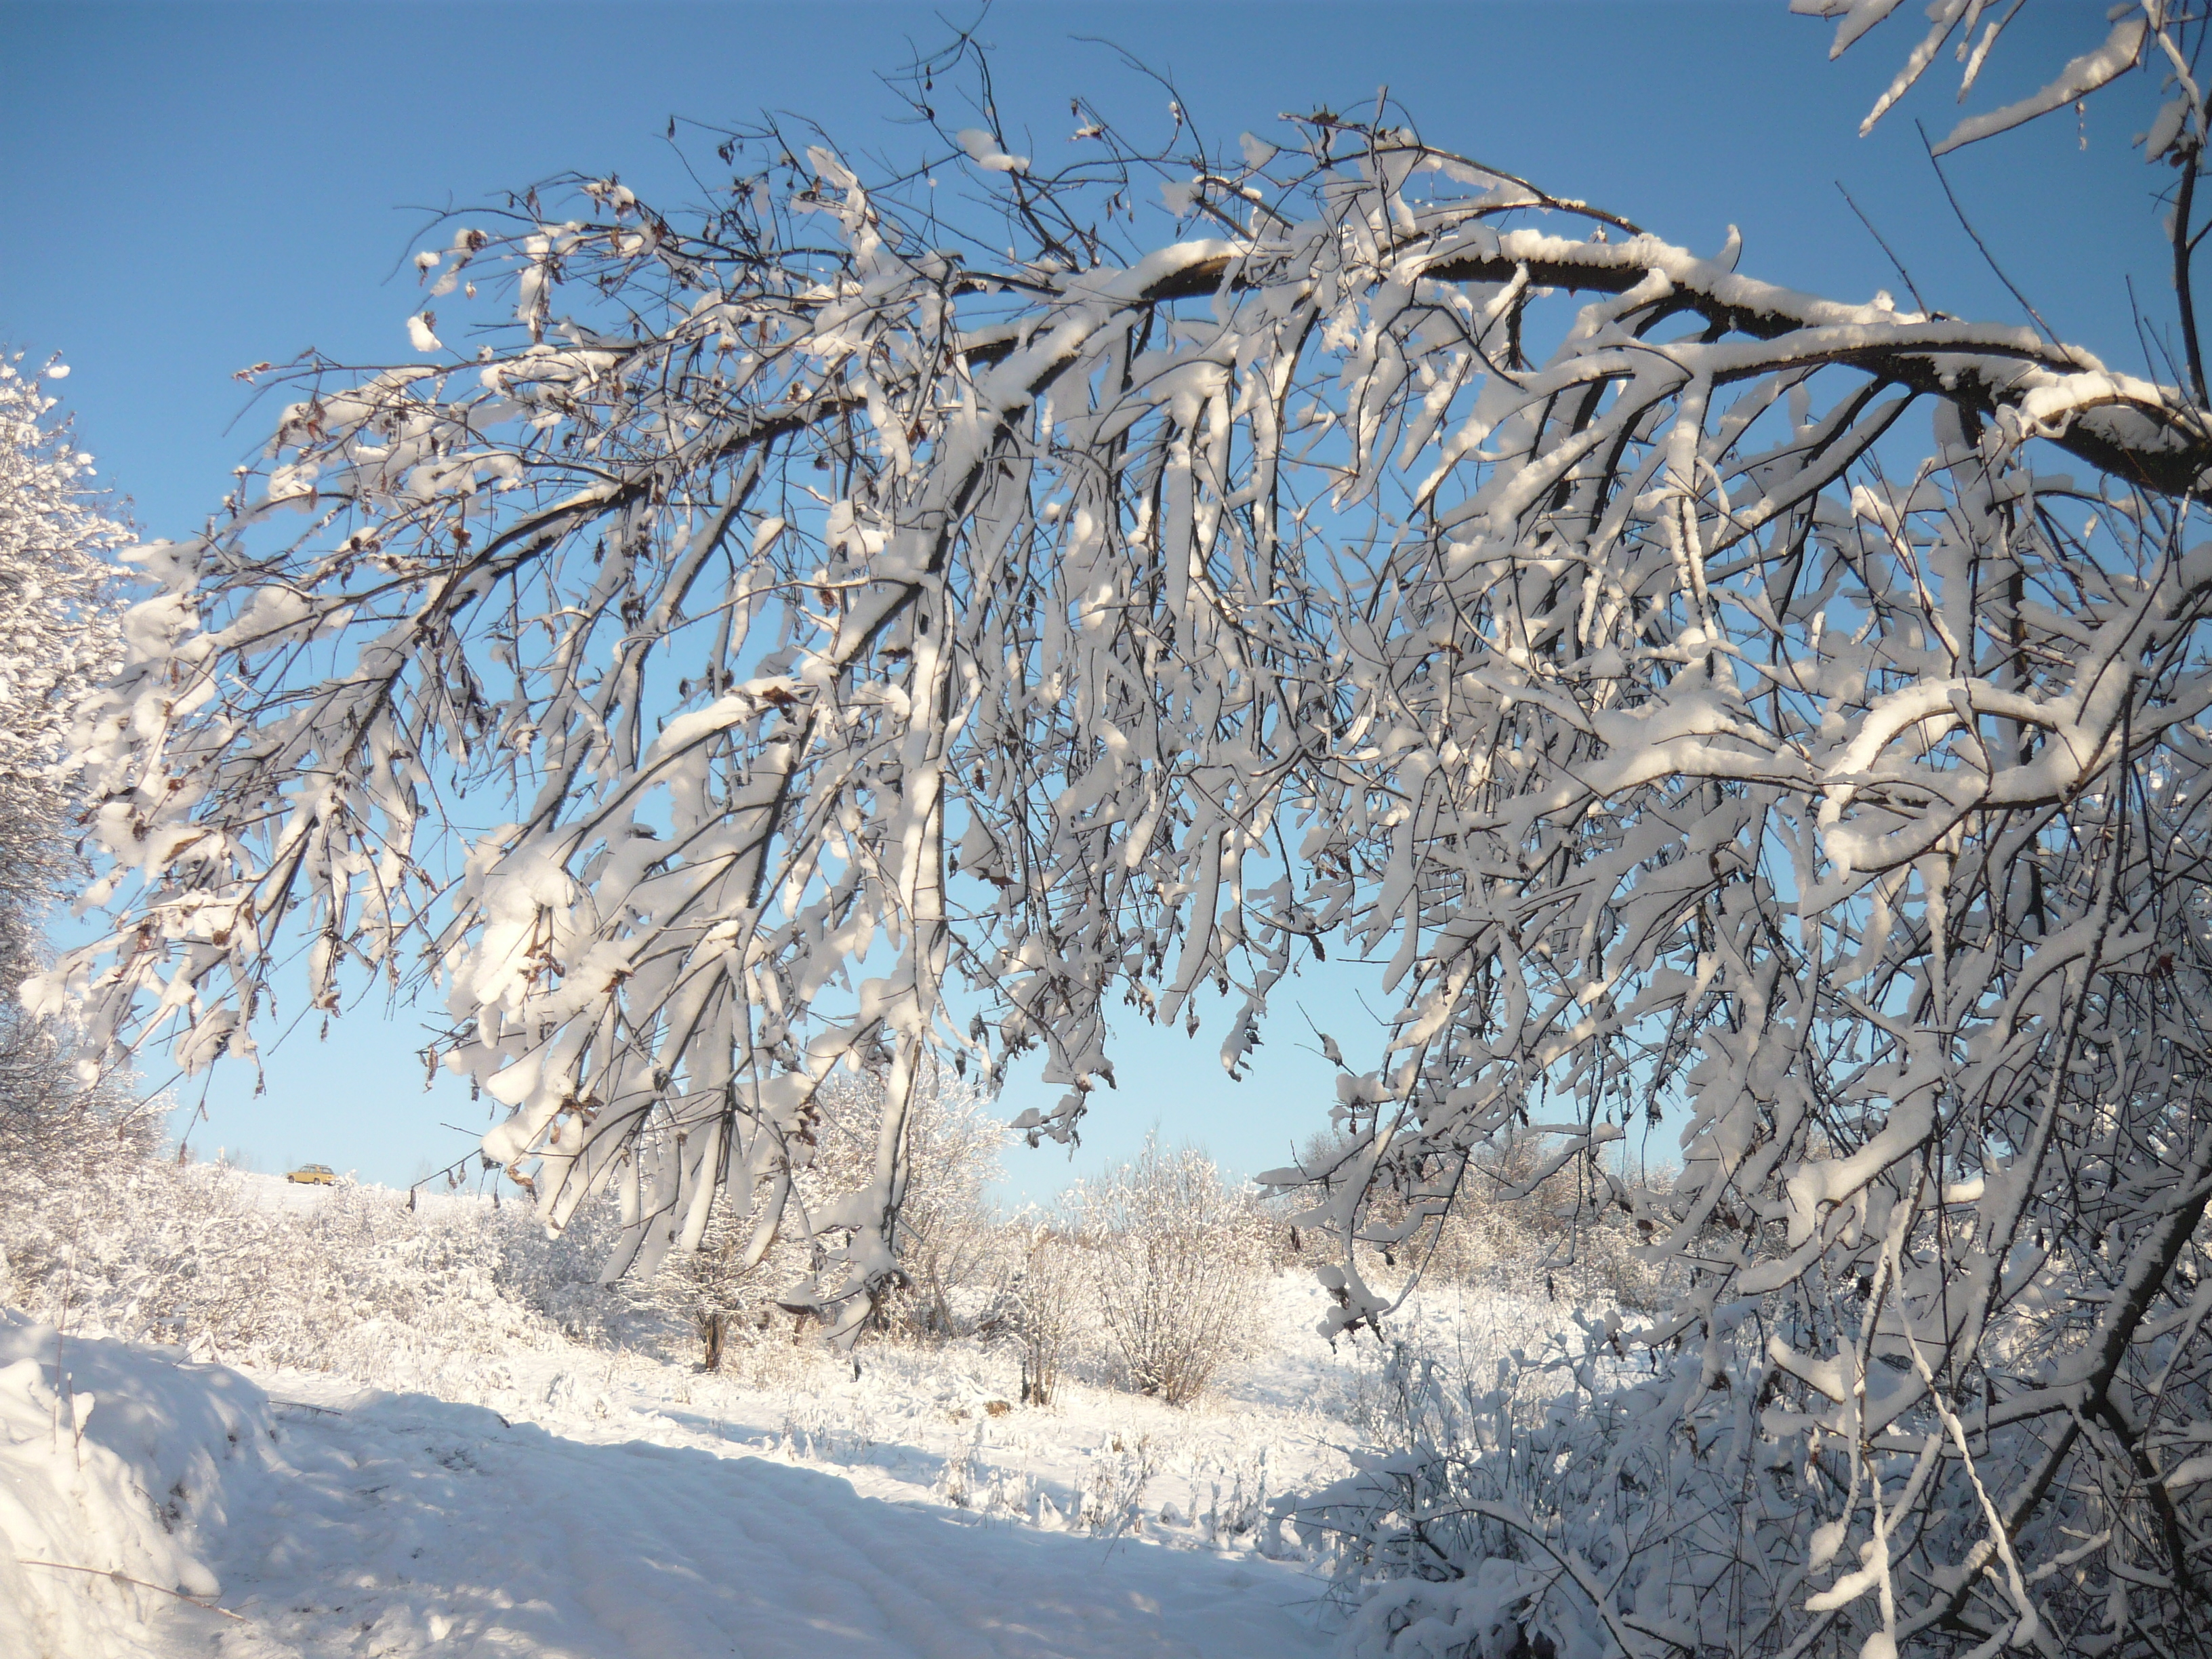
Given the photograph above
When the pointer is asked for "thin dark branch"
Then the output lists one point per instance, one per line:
(1966, 225)
(1910, 286)
(2184, 297)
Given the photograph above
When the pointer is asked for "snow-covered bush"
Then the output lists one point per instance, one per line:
(1515, 1224)
(1172, 1254)
(1425, 1541)
(1518, 1220)
(951, 1249)
(1112, 1501)
(1042, 1304)
(98, 1234)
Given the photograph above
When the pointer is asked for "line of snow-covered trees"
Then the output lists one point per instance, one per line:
(56, 637)
(889, 640)
(1147, 1277)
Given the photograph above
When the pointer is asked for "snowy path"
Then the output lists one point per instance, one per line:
(407, 1525)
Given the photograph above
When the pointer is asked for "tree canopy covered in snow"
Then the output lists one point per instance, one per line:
(56, 637)
(835, 626)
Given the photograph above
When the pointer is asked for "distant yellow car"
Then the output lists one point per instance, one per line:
(314, 1175)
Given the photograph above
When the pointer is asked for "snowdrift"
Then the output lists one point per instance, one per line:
(117, 1465)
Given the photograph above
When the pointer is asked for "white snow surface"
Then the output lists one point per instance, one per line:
(122, 1461)
(393, 1524)
(567, 1500)
(411, 1525)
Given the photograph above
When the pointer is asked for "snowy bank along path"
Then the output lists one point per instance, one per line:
(383, 1524)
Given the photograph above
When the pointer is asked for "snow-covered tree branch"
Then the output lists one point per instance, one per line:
(1704, 696)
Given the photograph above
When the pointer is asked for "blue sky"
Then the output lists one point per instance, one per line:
(193, 188)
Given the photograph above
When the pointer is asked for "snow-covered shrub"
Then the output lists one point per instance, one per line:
(950, 1247)
(1514, 1225)
(97, 1234)
(1475, 1616)
(1517, 1225)
(1172, 1254)
(1112, 1501)
(1240, 1507)
(1042, 1304)
(86, 1215)
(1437, 1540)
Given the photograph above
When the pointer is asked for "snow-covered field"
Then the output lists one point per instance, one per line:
(576, 1500)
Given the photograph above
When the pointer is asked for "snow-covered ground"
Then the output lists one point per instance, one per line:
(568, 1499)
(401, 1524)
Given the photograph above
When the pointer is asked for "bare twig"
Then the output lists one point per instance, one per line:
(125, 1579)
(1967, 225)
(1918, 304)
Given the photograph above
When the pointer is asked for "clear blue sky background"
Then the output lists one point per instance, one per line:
(192, 188)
